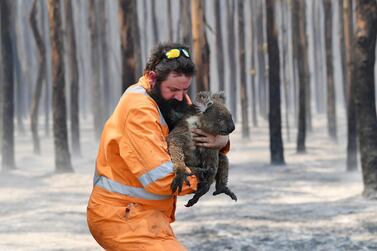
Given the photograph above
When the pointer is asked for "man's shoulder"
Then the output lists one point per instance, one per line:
(137, 97)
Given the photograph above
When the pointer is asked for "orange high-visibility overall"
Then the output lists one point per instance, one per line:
(131, 205)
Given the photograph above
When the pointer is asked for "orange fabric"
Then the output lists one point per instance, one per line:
(129, 227)
(133, 153)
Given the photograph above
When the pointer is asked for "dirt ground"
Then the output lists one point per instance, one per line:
(309, 204)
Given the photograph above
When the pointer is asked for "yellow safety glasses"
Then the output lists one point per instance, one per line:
(176, 53)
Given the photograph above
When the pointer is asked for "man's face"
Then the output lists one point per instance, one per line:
(170, 97)
(175, 86)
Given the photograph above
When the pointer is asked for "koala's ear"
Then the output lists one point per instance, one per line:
(219, 97)
(203, 101)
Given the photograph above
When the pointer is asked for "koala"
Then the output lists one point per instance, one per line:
(209, 114)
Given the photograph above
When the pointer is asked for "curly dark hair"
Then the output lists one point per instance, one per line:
(162, 66)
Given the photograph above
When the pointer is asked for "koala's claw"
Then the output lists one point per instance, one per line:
(177, 183)
(227, 191)
(199, 172)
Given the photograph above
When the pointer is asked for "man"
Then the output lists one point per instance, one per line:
(132, 205)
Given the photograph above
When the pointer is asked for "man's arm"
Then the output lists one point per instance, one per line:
(154, 167)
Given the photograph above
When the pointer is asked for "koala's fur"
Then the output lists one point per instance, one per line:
(209, 114)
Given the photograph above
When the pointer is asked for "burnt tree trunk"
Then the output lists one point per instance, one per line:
(303, 71)
(364, 61)
(231, 39)
(351, 114)
(40, 78)
(253, 71)
(242, 71)
(342, 50)
(128, 25)
(97, 102)
(154, 18)
(74, 81)
(103, 35)
(200, 46)
(331, 109)
(185, 30)
(262, 81)
(170, 21)
(219, 47)
(285, 41)
(7, 148)
(62, 155)
(276, 141)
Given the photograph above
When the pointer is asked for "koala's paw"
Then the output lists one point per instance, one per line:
(199, 172)
(227, 191)
(180, 177)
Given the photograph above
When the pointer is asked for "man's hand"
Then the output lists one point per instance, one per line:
(208, 140)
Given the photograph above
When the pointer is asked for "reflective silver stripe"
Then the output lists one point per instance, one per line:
(136, 89)
(137, 192)
(157, 173)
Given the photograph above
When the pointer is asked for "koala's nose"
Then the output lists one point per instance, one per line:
(232, 127)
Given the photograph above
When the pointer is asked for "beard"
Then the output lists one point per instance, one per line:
(172, 110)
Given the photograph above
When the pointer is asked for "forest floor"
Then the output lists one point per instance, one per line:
(311, 203)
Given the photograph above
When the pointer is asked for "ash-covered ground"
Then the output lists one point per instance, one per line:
(311, 203)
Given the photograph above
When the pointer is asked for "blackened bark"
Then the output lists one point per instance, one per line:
(231, 38)
(154, 18)
(170, 21)
(200, 46)
(364, 61)
(342, 42)
(219, 47)
(276, 141)
(62, 155)
(97, 101)
(128, 26)
(331, 109)
(242, 71)
(262, 82)
(185, 30)
(39, 81)
(7, 148)
(303, 71)
(74, 81)
(253, 65)
(351, 115)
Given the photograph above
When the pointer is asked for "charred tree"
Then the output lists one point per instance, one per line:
(276, 141)
(285, 64)
(170, 21)
(219, 47)
(242, 70)
(262, 82)
(62, 155)
(97, 102)
(103, 35)
(200, 46)
(154, 18)
(342, 49)
(303, 71)
(185, 30)
(364, 61)
(351, 114)
(40, 78)
(231, 39)
(331, 109)
(74, 81)
(128, 26)
(253, 66)
(7, 148)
